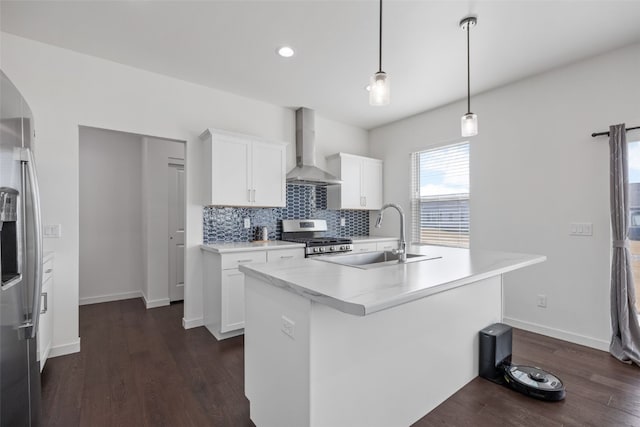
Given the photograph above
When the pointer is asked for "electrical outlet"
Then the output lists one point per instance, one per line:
(288, 327)
(343, 222)
(542, 301)
(247, 222)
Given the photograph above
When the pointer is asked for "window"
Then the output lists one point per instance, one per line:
(440, 196)
(634, 212)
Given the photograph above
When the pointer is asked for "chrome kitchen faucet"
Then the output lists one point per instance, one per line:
(402, 250)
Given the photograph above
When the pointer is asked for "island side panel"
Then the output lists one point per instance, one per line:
(211, 289)
(392, 367)
(276, 365)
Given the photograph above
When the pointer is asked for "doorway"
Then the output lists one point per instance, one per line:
(125, 215)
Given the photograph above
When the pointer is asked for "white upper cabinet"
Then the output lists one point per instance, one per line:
(361, 186)
(243, 170)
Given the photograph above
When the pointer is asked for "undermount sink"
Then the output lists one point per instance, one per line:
(368, 260)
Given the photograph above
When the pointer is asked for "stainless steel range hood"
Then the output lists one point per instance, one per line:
(306, 171)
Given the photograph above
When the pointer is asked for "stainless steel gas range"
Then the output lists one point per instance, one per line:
(312, 232)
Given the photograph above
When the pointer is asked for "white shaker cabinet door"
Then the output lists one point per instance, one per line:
(372, 183)
(351, 183)
(232, 310)
(269, 174)
(45, 330)
(361, 186)
(231, 176)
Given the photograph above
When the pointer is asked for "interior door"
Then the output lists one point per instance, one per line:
(176, 231)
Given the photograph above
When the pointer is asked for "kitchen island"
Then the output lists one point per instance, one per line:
(335, 345)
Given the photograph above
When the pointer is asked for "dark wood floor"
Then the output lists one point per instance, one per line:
(140, 368)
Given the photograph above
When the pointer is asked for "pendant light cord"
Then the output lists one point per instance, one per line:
(380, 41)
(468, 71)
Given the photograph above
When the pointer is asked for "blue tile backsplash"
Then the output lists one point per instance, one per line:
(226, 224)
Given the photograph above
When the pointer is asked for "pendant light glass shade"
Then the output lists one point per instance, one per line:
(469, 124)
(379, 86)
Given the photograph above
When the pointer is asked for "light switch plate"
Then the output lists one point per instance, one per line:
(247, 222)
(581, 229)
(52, 231)
(343, 222)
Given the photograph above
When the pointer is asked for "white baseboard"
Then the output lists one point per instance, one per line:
(224, 335)
(61, 350)
(155, 302)
(110, 297)
(596, 343)
(192, 323)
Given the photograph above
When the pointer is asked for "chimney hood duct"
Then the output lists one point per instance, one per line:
(306, 171)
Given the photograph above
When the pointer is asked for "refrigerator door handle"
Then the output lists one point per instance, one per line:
(45, 296)
(37, 226)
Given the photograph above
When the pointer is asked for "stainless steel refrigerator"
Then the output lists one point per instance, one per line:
(21, 267)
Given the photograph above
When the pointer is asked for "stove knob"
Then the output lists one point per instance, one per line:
(342, 248)
(321, 249)
(332, 248)
(315, 250)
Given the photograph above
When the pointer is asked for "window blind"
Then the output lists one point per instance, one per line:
(440, 196)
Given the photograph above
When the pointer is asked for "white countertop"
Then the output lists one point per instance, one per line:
(362, 292)
(224, 247)
(373, 239)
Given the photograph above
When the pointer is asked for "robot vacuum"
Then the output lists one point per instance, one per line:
(496, 366)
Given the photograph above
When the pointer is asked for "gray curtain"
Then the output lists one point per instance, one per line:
(624, 321)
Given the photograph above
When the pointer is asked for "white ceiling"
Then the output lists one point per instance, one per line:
(230, 45)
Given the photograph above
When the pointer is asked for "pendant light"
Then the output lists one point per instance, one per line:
(379, 85)
(469, 122)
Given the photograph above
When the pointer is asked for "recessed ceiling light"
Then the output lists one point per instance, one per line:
(286, 51)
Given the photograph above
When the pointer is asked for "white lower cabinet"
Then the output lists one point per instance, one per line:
(365, 247)
(45, 326)
(223, 290)
(386, 246)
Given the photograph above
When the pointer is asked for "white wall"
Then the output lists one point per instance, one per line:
(110, 215)
(534, 170)
(67, 89)
(156, 153)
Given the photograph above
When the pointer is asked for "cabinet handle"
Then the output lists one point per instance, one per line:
(254, 195)
(365, 201)
(286, 257)
(249, 195)
(235, 274)
(48, 270)
(244, 260)
(45, 303)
